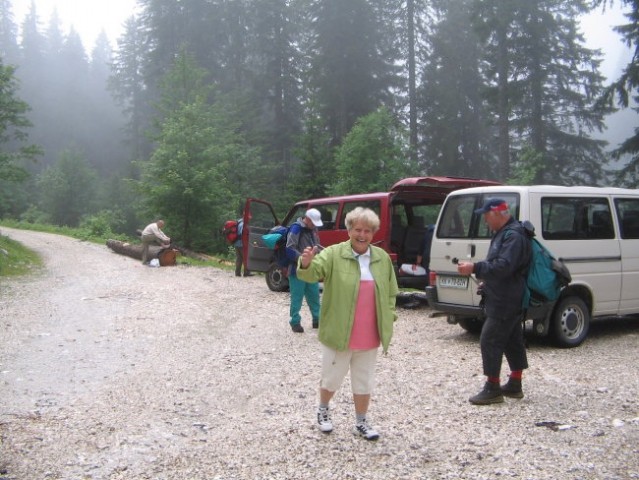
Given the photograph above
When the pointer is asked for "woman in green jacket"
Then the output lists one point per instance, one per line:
(357, 312)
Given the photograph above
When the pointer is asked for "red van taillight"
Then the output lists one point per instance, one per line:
(432, 278)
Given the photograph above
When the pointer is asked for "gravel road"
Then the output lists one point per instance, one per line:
(113, 370)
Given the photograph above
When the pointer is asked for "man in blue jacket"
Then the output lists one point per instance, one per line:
(503, 274)
(302, 234)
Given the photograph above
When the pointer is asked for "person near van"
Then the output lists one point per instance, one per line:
(358, 313)
(303, 234)
(503, 276)
(239, 251)
(153, 234)
(423, 258)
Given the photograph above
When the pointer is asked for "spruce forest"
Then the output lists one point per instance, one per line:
(203, 103)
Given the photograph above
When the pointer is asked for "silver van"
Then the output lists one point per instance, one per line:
(595, 231)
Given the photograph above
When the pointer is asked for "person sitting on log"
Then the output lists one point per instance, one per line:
(153, 233)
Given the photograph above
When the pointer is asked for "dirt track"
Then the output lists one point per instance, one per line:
(113, 370)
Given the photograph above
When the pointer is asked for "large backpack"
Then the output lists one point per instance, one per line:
(275, 239)
(229, 230)
(546, 275)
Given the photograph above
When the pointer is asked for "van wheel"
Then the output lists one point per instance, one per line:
(471, 325)
(571, 321)
(276, 279)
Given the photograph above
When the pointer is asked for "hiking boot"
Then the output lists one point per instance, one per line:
(363, 429)
(491, 393)
(324, 420)
(297, 328)
(315, 323)
(512, 389)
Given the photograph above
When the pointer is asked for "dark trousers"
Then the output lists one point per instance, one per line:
(502, 337)
(239, 261)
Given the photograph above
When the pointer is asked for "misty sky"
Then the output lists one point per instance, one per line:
(89, 17)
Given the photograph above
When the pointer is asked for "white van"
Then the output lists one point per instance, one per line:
(595, 231)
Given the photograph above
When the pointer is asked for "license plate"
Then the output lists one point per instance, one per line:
(453, 282)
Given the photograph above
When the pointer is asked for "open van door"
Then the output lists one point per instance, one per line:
(259, 218)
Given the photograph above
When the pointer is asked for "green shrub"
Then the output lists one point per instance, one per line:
(102, 224)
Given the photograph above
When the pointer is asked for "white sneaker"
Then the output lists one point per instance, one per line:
(324, 420)
(363, 429)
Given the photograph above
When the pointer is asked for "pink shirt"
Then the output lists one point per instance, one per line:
(364, 334)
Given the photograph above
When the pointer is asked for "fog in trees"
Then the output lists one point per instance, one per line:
(304, 91)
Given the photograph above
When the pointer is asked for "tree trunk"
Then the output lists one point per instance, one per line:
(134, 250)
(131, 250)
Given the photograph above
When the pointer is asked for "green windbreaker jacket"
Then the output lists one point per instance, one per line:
(337, 267)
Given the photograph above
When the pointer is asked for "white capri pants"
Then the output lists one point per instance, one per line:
(335, 366)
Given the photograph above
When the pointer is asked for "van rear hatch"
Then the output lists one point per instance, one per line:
(437, 187)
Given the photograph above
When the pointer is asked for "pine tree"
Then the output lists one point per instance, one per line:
(275, 63)
(349, 73)
(625, 89)
(455, 124)
(130, 90)
(67, 189)
(372, 156)
(187, 178)
(543, 83)
(9, 51)
(13, 128)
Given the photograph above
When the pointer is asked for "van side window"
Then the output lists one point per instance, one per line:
(628, 216)
(513, 205)
(299, 211)
(576, 218)
(329, 215)
(328, 212)
(349, 206)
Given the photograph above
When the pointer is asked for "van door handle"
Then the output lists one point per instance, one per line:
(472, 251)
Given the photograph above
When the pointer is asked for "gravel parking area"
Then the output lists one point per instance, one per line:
(113, 370)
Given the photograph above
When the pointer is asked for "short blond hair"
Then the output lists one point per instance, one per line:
(364, 215)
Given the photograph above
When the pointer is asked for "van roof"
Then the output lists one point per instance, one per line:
(437, 186)
(455, 182)
(551, 189)
(361, 196)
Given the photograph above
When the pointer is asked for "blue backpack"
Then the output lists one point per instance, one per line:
(275, 239)
(546, 275)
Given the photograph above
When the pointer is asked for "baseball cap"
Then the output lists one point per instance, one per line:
(315, 216)
(493, 205)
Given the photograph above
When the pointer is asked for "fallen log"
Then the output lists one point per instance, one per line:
(134, 250)
(183, 251)
(130, 249)
(166, 256)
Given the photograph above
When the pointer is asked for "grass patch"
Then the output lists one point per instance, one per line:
(225, 262)
(87, 234)
(16, 259)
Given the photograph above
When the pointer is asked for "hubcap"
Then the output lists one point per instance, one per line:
(572, 322)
